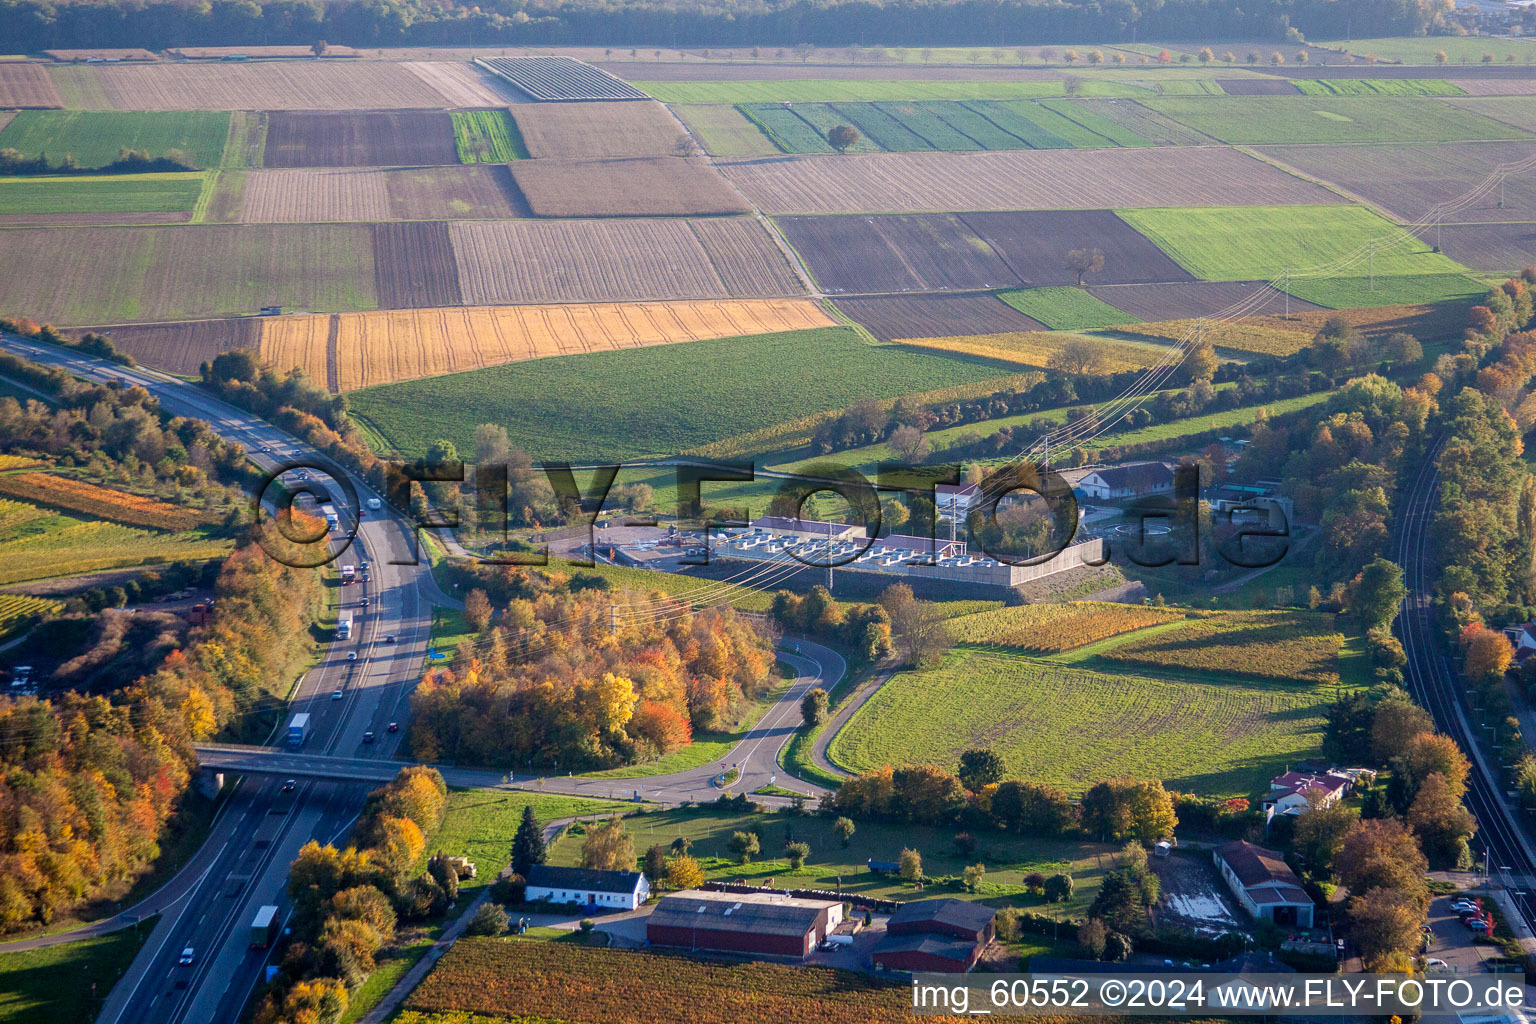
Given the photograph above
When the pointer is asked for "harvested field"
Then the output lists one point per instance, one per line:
(463, 84)
(27, 85)
(314, 85)
(183, 347)
(1199, 298)
(124, 198)
(106, 53)
(1242, 335)
(1036, 348)
(1498, 86)
(1284, 645)
(1257, 87)
(597, 131)
(1409, 181)
(298, 342)
(1156, 128)
(724, 131)
(99, 503)
(1497, 248)
(1016, 180)
(1052, 628)
(95, 139)
(1035, 246)
(1423, 321)
(113, 275)
(560, 79)
(332, 50)
(377, 138)
(890, 317)
(873, 255)
(642, 187)
(1273, 120)
(415, 264)
(413, 193)
(620, 260)
(384, 347)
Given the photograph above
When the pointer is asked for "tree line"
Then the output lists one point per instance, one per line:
(34, 25)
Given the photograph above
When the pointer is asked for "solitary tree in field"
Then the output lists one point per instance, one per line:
(1301, 57)
(843, 828)
(911, 863)
(318, 47)
(1083, 262)
(843, 137)
(1079, 356)
(1440, 57)
(1071, 85)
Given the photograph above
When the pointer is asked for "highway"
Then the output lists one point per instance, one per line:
(1435, 680)
(244, 863)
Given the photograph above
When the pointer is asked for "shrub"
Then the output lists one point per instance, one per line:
(490, 919)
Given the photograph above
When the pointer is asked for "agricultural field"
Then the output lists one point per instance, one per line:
(678, 397)
(1352, 292)
(1259, 85)
(1247, 243)
(377, 138)
(97, 139)
(1422, 49)
(19, 611)
(415, 264)
(871, 255)
(1016, 180)
(1271, 120)
(1241, 335)
(560, 78)
(183, 347)
(117, 198)
(1065, 308)
(1196, 298)
(384, 347)
(1143, 123)
(890, 317)
(614, 261)
(865, 91)
(530, 980)
(1037, 348)
(1052, 628)
(641, 187)
(462, 84)
(1035, 245)
(297, 85)
(319, 195)
(1411, 182)
(1225, 420)
(1280, 645)
(1429, 321)
(487, 137)
(597, 131)
(27, 85)
(1498, 86)
(56, 546)
(1377, 87)
(1495, 248)
(66, 981)
(104, 503)
(1071, 727)
(724, 131)
(106, 275)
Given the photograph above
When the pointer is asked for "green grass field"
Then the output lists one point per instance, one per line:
(724, 131)
(1008, 858)
(1259, 120)
(67, 982)
(1422, 49)
(1065, 308)
(487, 137)
(1071, 727)
(858, 90)
(116, 193)
(1407, 289)
(95, 138)
(1378, 87)
(669, 397)
(1257, 243)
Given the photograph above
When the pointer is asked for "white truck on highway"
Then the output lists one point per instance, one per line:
(332, 520)
(344, 628)
(298, 729)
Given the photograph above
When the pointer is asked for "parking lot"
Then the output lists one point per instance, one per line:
(1452, 942)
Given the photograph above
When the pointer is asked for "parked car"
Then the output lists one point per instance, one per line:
(187, 956)
(1477, 924)
(1434, 963)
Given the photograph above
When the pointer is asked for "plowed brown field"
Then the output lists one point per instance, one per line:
(27, 85)
(339, 85)
(1055, 179)
(646, 187)
(596, 131)
(376, 138)
(618, 260)
(313, 195)
(889, 317)
(462, 84)
(182, 347)
(379, 348)
(415, 265)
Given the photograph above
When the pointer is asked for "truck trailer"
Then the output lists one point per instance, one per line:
(265, 927)
(298, 729)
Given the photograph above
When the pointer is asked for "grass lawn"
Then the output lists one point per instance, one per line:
(95, 138)
(1257, 243)
(114, 193)
(1407, 289)
(1008, 858)
(859, 90)
(672, 397)
(1260, 120)
(1422, 49)
(67, 982)
(1052, 722)
(1066, 309)
(692, 587)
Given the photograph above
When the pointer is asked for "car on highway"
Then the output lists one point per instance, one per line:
(338, 695)
(187, 956)
(265, 448)
(365, 602)
(289, 785)
(393, 727)
(351, 655)
(368, 737)
(390, 638)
